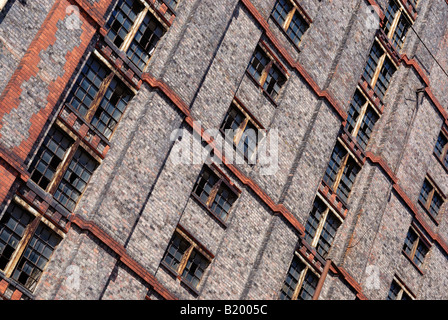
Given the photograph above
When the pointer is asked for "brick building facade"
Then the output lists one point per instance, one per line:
(107, 105)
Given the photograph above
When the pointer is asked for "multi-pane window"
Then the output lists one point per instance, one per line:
(379, 70)
(266, 72)
(361, 119)
(50, 156)
(300, 282)
(215, 193)
(372, 62)
(26, 246)
(396, 24)
(134, 29)
(441, 148)
(75, 179)
(36, 256)
(99, 96)
(415, 248)
(341, 171)
(414, 2)
(290, 19)
(321, 227)
(398, 292)
(243, 131)
(384, 77)
(61, 167)
(186, 258)
(431, 198)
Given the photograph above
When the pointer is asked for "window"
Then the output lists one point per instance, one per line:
(239, 126)
(215, 193)
(26, 246)
(99, 96)
(397, 291)
(384, 77)
(61, 167)
(321, 227)
(300, 282)
(2, 4)
(49, 157)
(135, 30)
(290, 19)
(266, 72)
(379, 70)
(75, 179)
(186, 258)
(396, 24)
(341, 171)
(361, 119)
(440, 150)
(415, 248)
(431, 198)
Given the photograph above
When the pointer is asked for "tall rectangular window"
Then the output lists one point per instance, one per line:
(123, 18)
(87, 85)
(26, 246)
(35, 257)
(384, 77)
(321, 227)
(361, 119)
(379, 70)
(244, 131)
(415, 248)
(431, 198)
(111, 107)
(266, 72)
(397, 291)
(300, 282)
(372, 62)
(185, 257)
(214, 193)
(341, 172)
(134, 29)
(289, 17)
(441, 149)
(12, 229)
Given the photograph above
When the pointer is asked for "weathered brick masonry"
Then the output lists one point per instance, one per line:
(115, 241)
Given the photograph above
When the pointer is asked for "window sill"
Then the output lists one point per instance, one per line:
(433, 219)
(210, 212)
(270, 98)
(412, 262)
